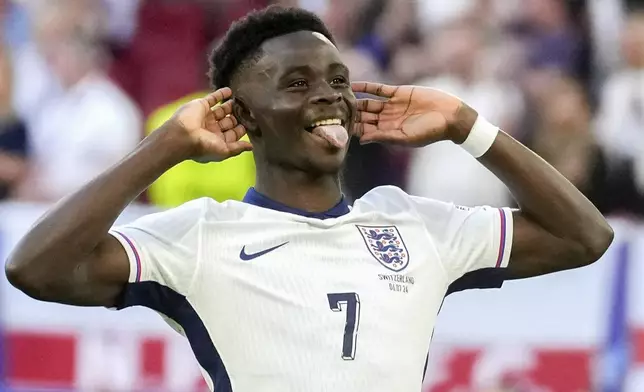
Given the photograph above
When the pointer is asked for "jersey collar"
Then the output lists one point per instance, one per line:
(255, 198)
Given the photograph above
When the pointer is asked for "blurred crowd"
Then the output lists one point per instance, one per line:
(83, 81)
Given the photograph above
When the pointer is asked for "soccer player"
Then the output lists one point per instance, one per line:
(293, 289)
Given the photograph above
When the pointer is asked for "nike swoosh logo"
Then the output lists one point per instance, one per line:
(246, 257)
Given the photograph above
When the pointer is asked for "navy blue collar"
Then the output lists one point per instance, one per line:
(255, 198)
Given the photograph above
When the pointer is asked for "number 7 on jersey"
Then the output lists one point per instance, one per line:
(351, 302)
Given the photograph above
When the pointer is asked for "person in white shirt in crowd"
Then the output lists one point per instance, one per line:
(50, 22)
(34, 83)
(621, 117)
(91, 126)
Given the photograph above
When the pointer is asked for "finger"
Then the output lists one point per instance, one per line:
(222, 110)
(218, 95)
(360, 129)
(219, 111)
(370, 105)
(389, 137)
(240, 131)
(234, 134)
(369, 118)
(379, 89)
(227, 123)
(237, 148)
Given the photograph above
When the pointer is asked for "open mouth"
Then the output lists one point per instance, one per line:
(331, 121)
(331, 130)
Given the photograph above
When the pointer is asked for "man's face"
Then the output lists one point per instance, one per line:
(299, 81)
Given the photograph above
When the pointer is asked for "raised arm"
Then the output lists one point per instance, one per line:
(68, 256)
(556, 227)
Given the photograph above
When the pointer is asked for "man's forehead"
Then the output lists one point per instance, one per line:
(297, 49)
(322, 37)
(297, 41)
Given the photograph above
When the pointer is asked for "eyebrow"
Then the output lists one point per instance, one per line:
(308, 68)
(297, 68)
(340, 65)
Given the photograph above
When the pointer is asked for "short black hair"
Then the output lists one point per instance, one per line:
(242, 42)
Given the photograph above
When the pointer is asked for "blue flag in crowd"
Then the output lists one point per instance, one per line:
(2, 336)
(616, 355)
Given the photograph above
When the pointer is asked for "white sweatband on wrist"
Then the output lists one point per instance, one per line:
(481, 137)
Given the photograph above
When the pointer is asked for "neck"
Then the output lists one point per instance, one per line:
(300, 190)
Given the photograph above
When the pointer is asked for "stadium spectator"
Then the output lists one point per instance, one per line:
(564, 138)
(378, 27)
(91, 126)
(34, 83)
(621, 112)
(13, 137)
(551, 37)
(50, 22)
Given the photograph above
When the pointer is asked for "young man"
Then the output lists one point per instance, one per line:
(293, 290)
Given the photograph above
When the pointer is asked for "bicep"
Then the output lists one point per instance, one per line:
(100, 278)
(536, 252)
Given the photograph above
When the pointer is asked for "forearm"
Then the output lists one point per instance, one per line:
(75, 226)
(543, 194)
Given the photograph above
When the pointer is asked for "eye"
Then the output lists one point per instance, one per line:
(298, 84)
(339, 80)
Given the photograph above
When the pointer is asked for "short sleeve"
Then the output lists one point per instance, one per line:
(162, 248)
(467, 239)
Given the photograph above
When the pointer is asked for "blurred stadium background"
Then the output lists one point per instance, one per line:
(82, 81)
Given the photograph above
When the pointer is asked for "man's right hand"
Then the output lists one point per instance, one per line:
(211, 129)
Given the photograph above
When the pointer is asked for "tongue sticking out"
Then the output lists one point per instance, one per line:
(336, 135)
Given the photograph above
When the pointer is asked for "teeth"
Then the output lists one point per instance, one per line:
(332, 121)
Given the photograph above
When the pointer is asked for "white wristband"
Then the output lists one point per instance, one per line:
(481, 137)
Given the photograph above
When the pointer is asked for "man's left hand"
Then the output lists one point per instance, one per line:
(407, 115)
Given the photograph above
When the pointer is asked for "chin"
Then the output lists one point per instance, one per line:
(329, 163)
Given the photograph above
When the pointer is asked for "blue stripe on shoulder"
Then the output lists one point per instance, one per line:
(175, 306)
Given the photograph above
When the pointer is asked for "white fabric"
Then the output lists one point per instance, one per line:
(81, 134)
(33, 83)
(271, 319)
(620, 126)
(167, 243)
(317, 6)
(606, 19)
(480, 138)
(440, 13)
(639, 172)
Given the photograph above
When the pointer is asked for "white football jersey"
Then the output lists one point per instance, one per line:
(276, 299)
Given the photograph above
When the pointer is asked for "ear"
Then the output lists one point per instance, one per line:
(245, 117)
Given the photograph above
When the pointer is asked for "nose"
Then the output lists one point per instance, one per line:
(325, 96)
